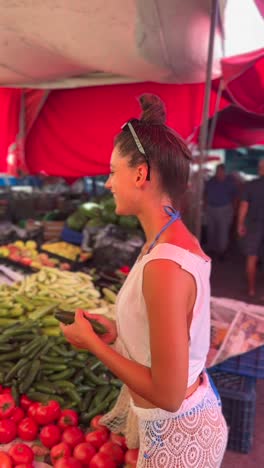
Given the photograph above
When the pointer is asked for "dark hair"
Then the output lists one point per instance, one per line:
(166, 151)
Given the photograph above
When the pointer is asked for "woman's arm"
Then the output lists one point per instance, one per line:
(164, 384)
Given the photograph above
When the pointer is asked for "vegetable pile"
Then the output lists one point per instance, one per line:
(39, 295)
(48, 368)
(50, 432)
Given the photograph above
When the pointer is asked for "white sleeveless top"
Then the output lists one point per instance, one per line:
(131, 314)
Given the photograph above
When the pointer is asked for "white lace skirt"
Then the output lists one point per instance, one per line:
(195, 436)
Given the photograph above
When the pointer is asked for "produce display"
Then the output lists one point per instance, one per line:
(38, 296)
(27, 254)
(48, 432)
(48, 368)
(51, 393)
(66, 250)
(100, 214)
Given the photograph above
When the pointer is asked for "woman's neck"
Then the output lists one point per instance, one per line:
(153, 219)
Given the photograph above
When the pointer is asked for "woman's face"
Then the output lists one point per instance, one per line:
(122, 182)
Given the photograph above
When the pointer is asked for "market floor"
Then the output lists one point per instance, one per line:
(228, 280)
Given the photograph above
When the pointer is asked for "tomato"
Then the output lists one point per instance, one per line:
(95, 422)
(68, 462)
(31, 412)
(73, 436)
(5, 460)
(39, 450)
(118, 439)
(7, 391)
(100, 460)
(97, 438)
(25, 402)
(114, 452)
(47, 413)
(1, 389)
(7, 405)
(50, 435)
(8, 431)
(17, 414)
(68, 418)
(28, 429)
(58, 451)
(21, 453)
(84, 452)
(125, 269)
(131, 456)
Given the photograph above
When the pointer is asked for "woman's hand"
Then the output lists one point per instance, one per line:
(80, 333)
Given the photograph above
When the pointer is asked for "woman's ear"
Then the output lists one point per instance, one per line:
(141, 175)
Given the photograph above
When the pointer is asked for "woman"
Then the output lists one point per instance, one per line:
(163, 309)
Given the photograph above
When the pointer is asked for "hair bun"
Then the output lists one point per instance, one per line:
(153, 109)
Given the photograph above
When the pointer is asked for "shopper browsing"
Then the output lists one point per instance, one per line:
(163, 308)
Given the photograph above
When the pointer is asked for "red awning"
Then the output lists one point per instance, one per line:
(237, 128)
(73, 135)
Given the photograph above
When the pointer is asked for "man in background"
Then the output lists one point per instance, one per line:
(220, 199)
(251, 225)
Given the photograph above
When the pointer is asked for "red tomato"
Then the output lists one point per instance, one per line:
(17, 414)
(58, 451)
(28, 429)
(47, 413)
(131, 456)
(100, 460)
(118, 439)
(97, 438)
(68, 418)
(84, 452)
(50, 435)
(1, 388)
(5, 460)
(69, 462)
(31, 412)
(114, 452)
(95, 422)
(8, 431)
(73, 436)
(7, 391)
(21, 453)
(7, 405)
(25, 402)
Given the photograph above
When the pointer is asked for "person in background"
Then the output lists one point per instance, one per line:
(220, 200)
(251, 225)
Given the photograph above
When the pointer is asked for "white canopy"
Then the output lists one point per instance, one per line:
(142, 40)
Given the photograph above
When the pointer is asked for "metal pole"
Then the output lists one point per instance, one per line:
(204, 128)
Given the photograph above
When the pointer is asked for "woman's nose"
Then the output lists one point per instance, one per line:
(108, 184)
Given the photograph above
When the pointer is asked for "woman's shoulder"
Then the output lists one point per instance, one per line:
(169, 249)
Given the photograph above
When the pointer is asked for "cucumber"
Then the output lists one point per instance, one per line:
(68, 318)
(10, 356)
(26, 384)
(62, 375)
(91, 377)
(14, 370)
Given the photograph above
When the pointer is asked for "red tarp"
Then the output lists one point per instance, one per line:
(73, 135)
(10, 102)
(238, 128)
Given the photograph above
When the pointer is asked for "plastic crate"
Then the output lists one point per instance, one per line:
(250, 364)
(238, 395)
(71, 236)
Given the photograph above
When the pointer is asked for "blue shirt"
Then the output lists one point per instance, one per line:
(220, 192)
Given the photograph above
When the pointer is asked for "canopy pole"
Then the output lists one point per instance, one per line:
(204, 129)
